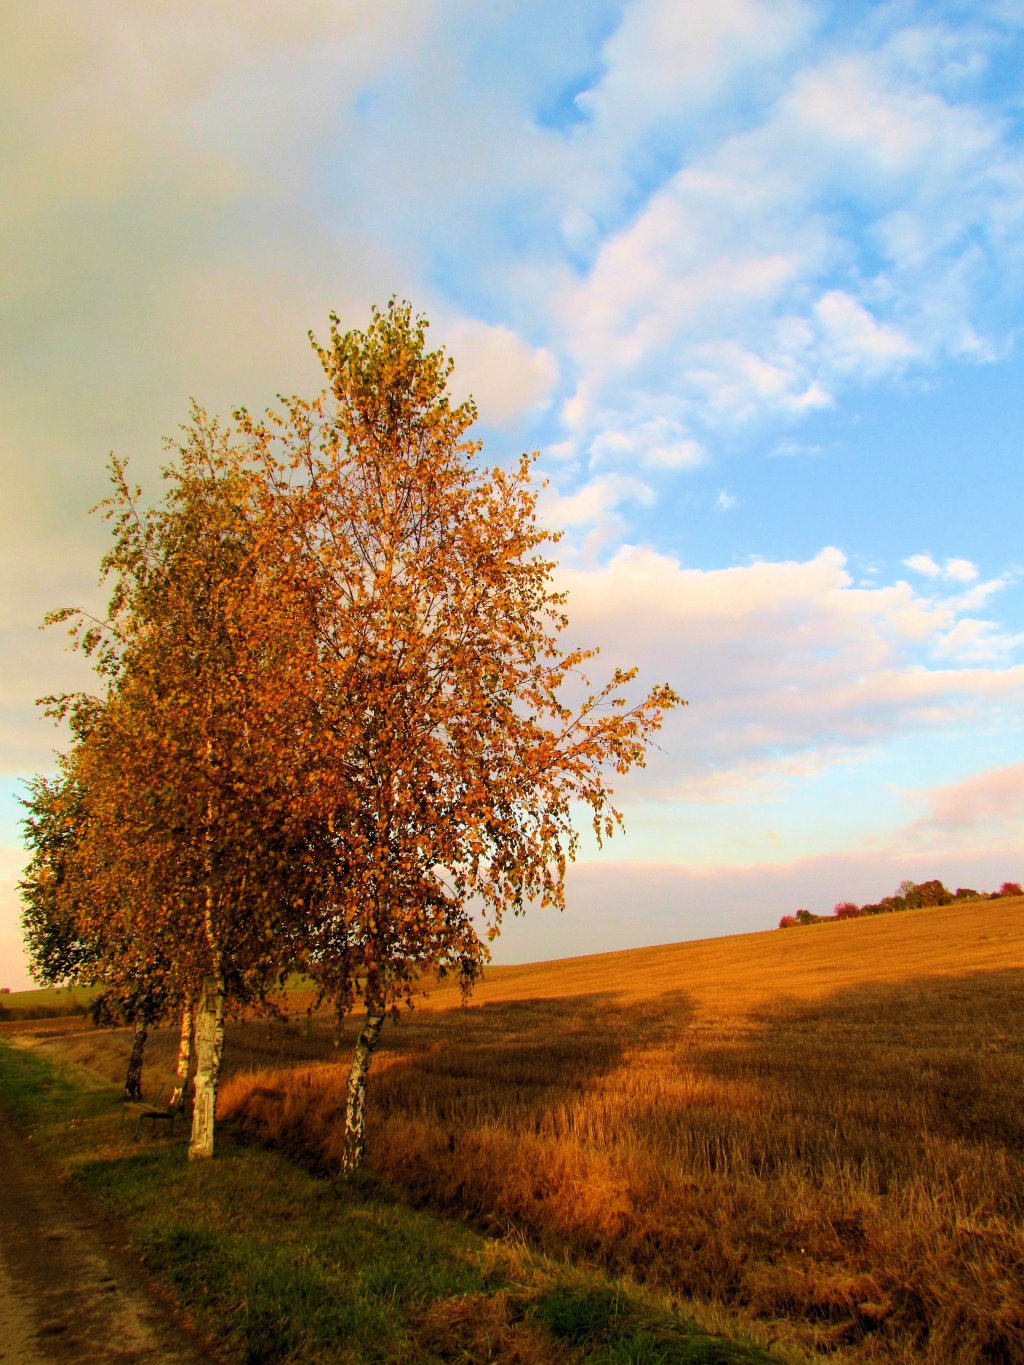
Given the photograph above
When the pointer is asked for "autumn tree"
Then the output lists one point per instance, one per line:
(338, 725)
(846, 910)
(65, 942)
(191, 849)
(464, 736)
(60, 949)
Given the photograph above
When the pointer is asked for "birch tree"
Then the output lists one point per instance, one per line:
(464, 738)
(67, 942)
(339, 724)
(192, 847)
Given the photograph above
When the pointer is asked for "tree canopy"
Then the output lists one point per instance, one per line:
(338, 726)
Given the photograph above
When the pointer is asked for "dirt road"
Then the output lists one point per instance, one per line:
(67, 1293)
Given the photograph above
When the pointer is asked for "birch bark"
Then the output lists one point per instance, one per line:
(209, 1022)
(177, 1100)
(209, 1046)
(355, 1104)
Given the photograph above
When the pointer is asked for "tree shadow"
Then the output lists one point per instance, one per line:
(506, 1059)
(877, 1071)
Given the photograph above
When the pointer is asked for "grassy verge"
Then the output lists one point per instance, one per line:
(272, 1264)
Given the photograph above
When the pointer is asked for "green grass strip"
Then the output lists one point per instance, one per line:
(272, 1264)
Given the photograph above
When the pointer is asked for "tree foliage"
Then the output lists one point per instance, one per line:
(338, 724)
(186, 857)
(909, 895)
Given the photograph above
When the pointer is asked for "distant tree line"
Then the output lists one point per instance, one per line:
(908, 895)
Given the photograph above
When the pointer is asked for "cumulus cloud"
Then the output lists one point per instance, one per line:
(665, 58)
(961, 570)
(789, 666)
(506, 376)
(653, 442)
(955, 570)
(924, 564)
(595, 502)
(854, 339)
(862, 223)
(992, 797)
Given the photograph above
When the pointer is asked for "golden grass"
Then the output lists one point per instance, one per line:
(820, 1130)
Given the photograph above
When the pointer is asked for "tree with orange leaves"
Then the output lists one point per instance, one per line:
(187, 862)
(339, 726)
(441, 689)
(66, 940)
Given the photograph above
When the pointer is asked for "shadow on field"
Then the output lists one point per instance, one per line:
(502, 1059)
(887, 1065)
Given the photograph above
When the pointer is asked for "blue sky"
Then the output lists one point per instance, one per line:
(749, 275)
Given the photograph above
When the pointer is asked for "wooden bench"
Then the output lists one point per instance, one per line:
(143, 1111)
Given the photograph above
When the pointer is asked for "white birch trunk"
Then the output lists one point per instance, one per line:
(209, 1046)
(177, 1101)
(355, 1103)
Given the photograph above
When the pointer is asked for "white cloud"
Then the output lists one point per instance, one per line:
(725, 502)
(788, 663)
(955, 571)
(854, 340)
(968, 638)
(651, 442)
(977, 641)
(960, 570)
(595, 501)
(865, 220)
(666, 58)
(506, 376)
(924, 564)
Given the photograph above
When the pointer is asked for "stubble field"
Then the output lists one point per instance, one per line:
(819, 1131)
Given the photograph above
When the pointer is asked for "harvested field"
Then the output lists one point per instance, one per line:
(820, 1130)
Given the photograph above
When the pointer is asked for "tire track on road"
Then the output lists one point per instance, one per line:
(67, 1294)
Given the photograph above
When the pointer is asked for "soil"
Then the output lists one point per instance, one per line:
(68, 1291)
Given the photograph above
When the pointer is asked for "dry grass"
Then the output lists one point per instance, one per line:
(821, 1131)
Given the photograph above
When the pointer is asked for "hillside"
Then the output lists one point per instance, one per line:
(821, 1132)
(752, 969)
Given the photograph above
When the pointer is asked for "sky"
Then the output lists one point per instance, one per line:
(749, 274)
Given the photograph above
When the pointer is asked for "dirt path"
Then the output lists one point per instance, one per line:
(67, 1293)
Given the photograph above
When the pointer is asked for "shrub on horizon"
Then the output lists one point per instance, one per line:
(846, 910)
(930, 893)
(909, 895)
(806, 917)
